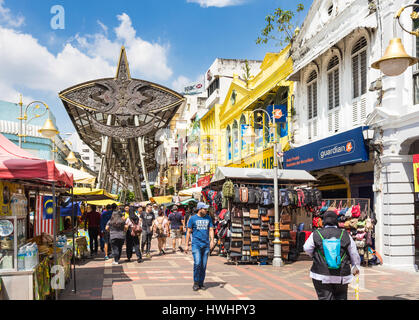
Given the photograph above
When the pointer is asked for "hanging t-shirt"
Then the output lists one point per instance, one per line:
(200, 229)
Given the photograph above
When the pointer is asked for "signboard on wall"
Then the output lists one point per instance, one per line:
(195, 88)
(416, 171)
(338, 150)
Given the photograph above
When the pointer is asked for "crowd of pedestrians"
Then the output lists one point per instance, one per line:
(135, 227)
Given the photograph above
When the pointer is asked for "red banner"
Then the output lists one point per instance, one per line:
(204, 181)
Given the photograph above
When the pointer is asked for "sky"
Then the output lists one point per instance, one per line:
(170, 42)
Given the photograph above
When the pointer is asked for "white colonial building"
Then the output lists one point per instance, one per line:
(339, 96)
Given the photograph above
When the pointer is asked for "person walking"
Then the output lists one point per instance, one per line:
(104, 218)
(202, 230)
(333, 251)
(147, 218)
(176, 224)
(117, 229)
(126, 211)
(132, 237)
(93, 227)
(161, 230)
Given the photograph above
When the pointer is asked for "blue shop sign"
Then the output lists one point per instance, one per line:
(339, 150)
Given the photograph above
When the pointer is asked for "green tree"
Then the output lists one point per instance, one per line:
(246, 69)
(280, 26)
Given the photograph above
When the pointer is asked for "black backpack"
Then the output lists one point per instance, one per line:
(317, 197)
(252, 195)
(307, 197)
(236, 194)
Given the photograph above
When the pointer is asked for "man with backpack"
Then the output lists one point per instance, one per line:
(333, 251)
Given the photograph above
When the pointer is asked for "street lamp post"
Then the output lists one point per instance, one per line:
(24, 116)
(395, 60)
(249, 135)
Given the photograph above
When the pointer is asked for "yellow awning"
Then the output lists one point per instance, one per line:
(103, 202)
(161, 200)
(87, 194)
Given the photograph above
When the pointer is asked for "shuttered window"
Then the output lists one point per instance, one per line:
(333, 82)
(416, 67)
(312, 104)
(359, 68)
(312, 95)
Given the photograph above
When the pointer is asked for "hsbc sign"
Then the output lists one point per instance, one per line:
(193, 89)
(337, 150)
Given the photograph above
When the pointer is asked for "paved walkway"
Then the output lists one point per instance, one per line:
(169, 277)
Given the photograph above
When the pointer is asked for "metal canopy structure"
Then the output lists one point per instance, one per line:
(118, 119)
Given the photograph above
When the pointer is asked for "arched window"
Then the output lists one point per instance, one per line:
(333, 82)
(312, 104)
(359, 68)
(333, 116)
(312, 95)
(359, 81)
(228, 144)
(242, 131)
(235, 139)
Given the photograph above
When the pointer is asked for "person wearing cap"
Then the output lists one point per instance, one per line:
(332, 284)
(202, 230)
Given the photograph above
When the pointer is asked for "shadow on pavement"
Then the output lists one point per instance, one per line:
(403, 296)
(215, 284)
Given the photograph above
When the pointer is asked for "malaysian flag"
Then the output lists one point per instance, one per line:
(43, 220)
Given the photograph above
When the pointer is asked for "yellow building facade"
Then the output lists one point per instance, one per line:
(223, 127)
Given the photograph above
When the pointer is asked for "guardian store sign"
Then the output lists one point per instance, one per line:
(339, 150)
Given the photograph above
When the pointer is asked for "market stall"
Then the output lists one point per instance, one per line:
(248, 196)
(21, 174)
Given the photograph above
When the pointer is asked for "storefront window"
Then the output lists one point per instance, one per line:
(235, 139)
(243, 128)
(228, 144)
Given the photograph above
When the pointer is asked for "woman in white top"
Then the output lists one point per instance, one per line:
(161, 230)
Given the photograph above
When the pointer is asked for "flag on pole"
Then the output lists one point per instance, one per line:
(43, 220)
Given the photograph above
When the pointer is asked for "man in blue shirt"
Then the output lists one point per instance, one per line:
(202, 230)
(104, 218)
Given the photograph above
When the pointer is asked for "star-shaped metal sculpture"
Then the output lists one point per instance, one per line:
(124, 98)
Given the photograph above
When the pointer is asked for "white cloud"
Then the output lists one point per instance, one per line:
(103, 26)
(8, 19)
(82, 58)
(217, 3)
(180, 83)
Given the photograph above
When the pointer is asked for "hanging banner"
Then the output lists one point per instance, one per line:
(278, 112)
(416, 171)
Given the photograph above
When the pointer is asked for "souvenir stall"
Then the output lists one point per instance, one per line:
(355, 216)
(99, 197)
(25, 262)
(248, 196)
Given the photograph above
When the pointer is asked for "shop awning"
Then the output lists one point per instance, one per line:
(189, 192)
(186, 202)
(87, 194)
(18, 164)
(78, 175)
(254, 174)
(162, 199)
(103, 203)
